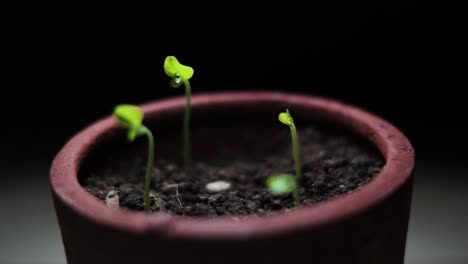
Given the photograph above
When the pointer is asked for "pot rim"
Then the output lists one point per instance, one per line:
(393, 145)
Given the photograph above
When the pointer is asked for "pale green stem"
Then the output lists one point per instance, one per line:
(149, 167)
(297, 156)
(186, 150)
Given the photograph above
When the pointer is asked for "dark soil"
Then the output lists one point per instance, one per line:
(333, 164)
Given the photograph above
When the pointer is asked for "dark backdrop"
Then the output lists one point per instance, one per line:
(73, 61)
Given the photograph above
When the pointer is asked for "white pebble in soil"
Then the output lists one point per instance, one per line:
(156, 199)
(218, 186)
(112, 199)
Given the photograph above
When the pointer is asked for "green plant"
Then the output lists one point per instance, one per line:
(131, 117)
(283, 184)
(180, 74)
(286, 118)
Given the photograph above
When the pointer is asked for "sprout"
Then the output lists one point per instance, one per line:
(286, 118)
(131, 117)
(283, 184)
(180, 74)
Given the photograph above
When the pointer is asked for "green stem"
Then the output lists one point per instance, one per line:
(186, 153)
(149, 167)
(297, 156)
(297, 201)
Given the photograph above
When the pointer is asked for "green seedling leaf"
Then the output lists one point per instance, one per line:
(281, 183)
(131, 117)
(178, 72)
(284, 184)
(286, 118)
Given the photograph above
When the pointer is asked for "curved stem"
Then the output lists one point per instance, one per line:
(297, 156)
(186, 150)
(149, 167)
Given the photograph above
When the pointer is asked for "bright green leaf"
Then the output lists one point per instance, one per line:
(281, 183)
(178, 72)
(131, 117)
(286, 118)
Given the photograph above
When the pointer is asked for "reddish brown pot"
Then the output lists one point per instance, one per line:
(368, 225)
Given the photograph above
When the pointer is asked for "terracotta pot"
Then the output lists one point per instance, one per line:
(368, 225)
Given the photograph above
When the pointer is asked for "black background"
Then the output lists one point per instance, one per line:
(73, 61)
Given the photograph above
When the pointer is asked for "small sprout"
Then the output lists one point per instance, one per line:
(283, 184)
(131, 117)
(180, 74)
(286, 118)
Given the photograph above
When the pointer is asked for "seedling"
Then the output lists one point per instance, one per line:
(180, 74)
(286, 118)
(131, 117)
(283, 184)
